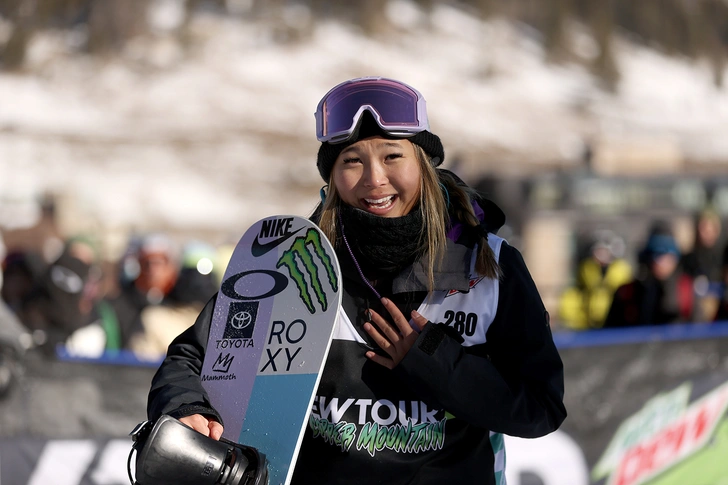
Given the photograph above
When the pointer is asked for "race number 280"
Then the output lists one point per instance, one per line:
(463, 323)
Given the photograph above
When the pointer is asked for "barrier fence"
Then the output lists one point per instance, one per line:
(646, 405)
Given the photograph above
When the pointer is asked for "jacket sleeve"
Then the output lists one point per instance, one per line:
(616, 316)
(514, 384)
(176, 387)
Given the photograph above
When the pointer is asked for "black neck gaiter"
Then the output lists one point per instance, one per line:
(382, 246)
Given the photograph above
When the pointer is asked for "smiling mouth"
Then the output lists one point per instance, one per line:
(383, 203)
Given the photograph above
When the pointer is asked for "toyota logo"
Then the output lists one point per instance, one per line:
(241, 320)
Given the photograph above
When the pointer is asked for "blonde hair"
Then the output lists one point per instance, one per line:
(435, 217)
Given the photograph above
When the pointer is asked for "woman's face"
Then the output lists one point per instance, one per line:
(664, 265)
(708, 231)
(379, 175)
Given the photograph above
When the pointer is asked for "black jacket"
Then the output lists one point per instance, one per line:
(440, 415)
(648, 301)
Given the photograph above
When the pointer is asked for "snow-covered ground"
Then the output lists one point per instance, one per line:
(210, 139)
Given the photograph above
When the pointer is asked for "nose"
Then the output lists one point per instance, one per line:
(375, 174)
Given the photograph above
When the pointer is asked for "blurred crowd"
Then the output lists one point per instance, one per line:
(68, 296)
(664, 284)
(138, 304)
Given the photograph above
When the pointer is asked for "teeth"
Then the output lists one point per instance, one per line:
(379, 201)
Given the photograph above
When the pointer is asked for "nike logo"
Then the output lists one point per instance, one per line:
(259, 250)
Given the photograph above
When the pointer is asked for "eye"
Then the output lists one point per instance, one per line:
(394, 156)
(351, 160)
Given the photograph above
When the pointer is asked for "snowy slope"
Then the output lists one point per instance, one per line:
(214, 138)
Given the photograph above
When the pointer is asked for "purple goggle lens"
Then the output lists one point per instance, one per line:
(398, 108)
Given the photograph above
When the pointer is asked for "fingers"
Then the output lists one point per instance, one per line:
(397, 340)
(388, 363)
(385, 334)
(402, 323)
(383, 342)
(384, 326)
(397, 316)
(197, 422)
(202, 425)
(419, 320)
(216, 430)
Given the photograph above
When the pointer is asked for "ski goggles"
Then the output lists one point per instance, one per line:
(399, 109)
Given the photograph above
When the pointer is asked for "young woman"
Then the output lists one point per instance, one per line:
(443, 344)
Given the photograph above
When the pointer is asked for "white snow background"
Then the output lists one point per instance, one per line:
(208, 140)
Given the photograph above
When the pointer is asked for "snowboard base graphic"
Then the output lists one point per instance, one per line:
(270, 335)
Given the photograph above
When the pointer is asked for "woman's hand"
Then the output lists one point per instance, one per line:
(395, 341)
(201, 424)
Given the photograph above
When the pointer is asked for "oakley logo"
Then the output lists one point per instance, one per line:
(279, 284)
(302, 251)
(280, 228)
(222, 363)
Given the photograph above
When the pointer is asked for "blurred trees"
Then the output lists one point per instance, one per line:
(106, 26)
(693, 28)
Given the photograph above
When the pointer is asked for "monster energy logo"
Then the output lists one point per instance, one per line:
(300, 261)
(301, 253)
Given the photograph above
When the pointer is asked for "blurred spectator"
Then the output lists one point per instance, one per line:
(703, 264)
(661, 293)
(21, 273)
(14, 341)
(197, 281)
(162, 291)
(57, 299)
(722, 312)
(148, 274)
(585, 305)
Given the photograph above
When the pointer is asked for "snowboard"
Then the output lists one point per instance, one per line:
(270, 335)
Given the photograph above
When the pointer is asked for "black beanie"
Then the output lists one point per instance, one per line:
(328, 152)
